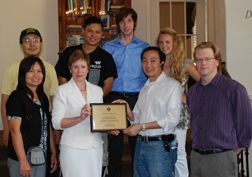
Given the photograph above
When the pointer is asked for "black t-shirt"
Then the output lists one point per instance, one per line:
(102, 65)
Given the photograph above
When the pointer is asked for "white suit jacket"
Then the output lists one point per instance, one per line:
(67, 103)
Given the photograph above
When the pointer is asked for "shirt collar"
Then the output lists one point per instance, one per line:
(158, 81)
(134, 40)
(216, 81)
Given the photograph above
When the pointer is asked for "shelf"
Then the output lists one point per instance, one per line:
(69, 19)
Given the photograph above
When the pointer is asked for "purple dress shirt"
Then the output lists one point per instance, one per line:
(221, 115)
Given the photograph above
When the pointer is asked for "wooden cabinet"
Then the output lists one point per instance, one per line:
(71, 23)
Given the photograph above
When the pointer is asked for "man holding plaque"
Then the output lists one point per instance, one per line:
(126, 50)
(154, 118)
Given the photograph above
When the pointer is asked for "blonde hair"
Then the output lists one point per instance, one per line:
(178, 53)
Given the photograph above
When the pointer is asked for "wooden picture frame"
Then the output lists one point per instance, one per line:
(105, 21)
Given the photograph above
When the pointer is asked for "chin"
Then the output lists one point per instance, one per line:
(94, 44)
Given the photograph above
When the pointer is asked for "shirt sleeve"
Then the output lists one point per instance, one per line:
(136, 115)
(173, 107)
(61, 66)
(242, 117)
(14, 106)
(186, 63)
(110, 69)
(59, 109)
(8, 82)
(54, 81)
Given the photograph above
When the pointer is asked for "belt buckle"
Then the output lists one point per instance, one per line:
(203, 151)
(124, 94)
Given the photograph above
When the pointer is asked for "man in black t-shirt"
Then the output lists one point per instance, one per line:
(102, 66)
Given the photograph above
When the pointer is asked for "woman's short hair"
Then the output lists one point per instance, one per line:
(24, 67)
(215, 49)
(79, 55)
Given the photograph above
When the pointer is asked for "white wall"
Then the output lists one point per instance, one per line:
(16, 15)
(239, 45)
(239, 41)
(142, 8)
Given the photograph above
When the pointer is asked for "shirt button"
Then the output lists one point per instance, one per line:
(126, 65)
(125, 74)
(203, 103)
(126, 56)
(202, 116)
(124, 84)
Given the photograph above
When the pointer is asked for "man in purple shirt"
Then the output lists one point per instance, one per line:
(221, 117)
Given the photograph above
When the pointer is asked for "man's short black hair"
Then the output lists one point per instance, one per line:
(92, 19)
(161, 54)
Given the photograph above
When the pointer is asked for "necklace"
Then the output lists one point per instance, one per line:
(82, 90)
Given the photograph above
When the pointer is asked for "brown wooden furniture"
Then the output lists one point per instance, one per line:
(65, 20)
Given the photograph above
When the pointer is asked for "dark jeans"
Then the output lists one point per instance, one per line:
(115, 143)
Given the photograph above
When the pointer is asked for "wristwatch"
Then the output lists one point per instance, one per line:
(144, 129)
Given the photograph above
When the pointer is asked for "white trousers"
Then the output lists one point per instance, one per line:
(81, 162)
(181, 167)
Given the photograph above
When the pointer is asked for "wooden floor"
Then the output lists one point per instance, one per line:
(126, 160)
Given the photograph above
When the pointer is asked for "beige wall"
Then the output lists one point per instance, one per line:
(16, 15)
(239, 41)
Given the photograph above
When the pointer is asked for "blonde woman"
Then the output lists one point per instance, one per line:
(179, 68)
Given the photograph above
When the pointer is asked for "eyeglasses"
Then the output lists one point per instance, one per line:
(205, 59)
(28, 41)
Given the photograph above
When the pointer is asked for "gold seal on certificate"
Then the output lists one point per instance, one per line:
(106, 117)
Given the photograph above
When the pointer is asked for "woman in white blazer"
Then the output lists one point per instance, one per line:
(80, 150)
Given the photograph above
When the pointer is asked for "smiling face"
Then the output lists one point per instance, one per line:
(165, 43)
(79, 70)
(151, 64)
(127, 25)
(32, 48)
(207, 69)
(92, 34)
(34, 77)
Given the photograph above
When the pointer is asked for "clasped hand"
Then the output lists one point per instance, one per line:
(133, 130)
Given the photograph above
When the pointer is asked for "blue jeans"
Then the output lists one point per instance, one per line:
(36, 171)
(151, 159)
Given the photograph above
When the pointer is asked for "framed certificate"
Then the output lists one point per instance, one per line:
(106, 117)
